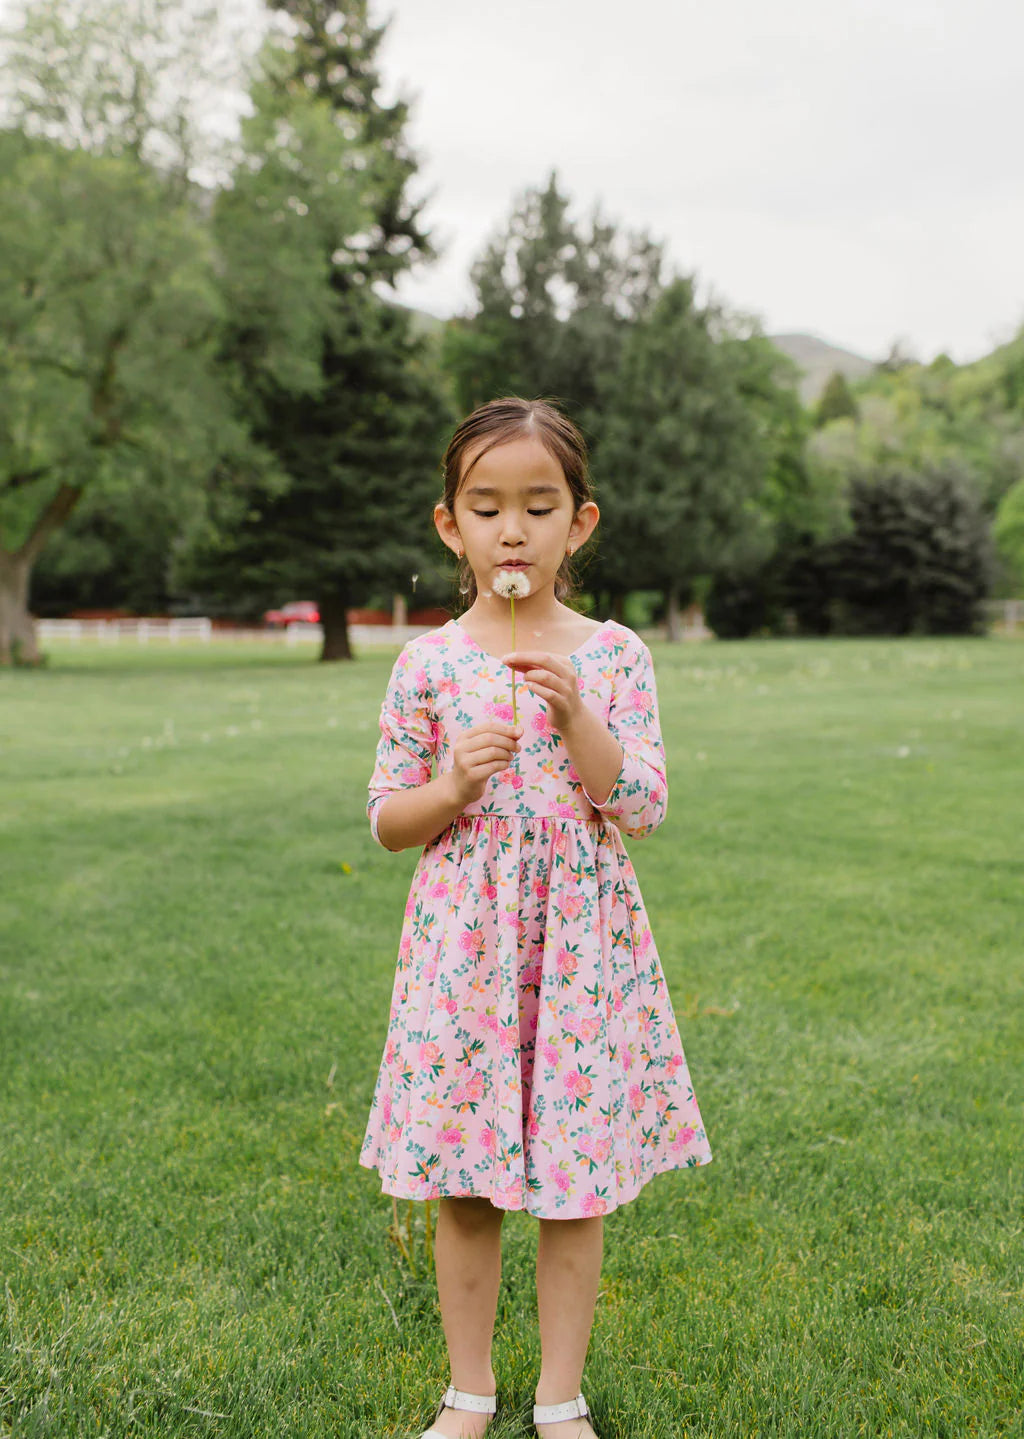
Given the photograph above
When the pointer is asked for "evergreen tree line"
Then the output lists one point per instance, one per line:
(210, 401)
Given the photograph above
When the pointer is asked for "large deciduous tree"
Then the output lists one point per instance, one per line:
(109, 317)
(108, 302)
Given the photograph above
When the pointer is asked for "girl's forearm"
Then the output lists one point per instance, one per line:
(596, 754)
(416, 816)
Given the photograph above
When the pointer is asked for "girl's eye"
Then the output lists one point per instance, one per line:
(489, 514)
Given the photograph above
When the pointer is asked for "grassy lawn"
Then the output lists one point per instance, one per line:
(197, 943)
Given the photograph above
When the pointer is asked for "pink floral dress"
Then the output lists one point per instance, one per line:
(532, 1056)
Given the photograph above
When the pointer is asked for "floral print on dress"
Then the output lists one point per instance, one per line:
(532, 1055)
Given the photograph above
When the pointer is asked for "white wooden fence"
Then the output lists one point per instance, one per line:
(1005, 615)
(112, 632)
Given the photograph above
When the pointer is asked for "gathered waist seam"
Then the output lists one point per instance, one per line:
(542, 819)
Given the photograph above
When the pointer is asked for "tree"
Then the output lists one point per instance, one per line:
(682, 465)
(333, 56)
(357, 457)
(152, 80)
(555, 297)
(803, 505)
(110, 315)
(836, 401)
(918, 559)
(1008, 533)
(109, 307)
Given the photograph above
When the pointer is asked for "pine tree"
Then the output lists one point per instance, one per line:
(358, 457)
(555, 297)
(683, 465)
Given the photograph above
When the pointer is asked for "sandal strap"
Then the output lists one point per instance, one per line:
(478, 1403)
(555, 1413)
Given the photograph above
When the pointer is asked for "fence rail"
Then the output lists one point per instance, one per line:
(1003, 615)
(112, 632)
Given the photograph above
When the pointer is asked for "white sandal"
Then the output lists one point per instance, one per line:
(555, 1413)
(459, 1399)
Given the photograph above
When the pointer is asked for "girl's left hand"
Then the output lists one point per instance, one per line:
(551, 678)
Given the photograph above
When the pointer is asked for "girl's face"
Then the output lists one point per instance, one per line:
(515, 507)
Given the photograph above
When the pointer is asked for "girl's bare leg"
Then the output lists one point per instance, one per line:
(569, 1254)
(467, 1261)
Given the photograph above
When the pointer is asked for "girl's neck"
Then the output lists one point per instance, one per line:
(494, 612)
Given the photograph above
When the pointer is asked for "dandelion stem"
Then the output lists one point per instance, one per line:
(512, 602)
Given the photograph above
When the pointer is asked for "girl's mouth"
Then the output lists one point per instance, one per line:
(514, 565)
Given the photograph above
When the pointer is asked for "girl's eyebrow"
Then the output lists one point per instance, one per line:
(532, 490)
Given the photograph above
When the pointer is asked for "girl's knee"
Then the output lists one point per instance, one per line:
(580, 1225)
(472, 1212)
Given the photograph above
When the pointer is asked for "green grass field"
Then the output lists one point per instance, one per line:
(198, 939)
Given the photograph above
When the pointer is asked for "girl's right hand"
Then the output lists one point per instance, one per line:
(480, 752)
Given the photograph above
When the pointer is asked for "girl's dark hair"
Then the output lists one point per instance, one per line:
(507, 419)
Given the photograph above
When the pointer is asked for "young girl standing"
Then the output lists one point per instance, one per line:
(532, 1058)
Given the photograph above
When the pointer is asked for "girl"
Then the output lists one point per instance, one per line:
(532, 1058)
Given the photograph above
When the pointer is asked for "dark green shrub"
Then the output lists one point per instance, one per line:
(919, 559)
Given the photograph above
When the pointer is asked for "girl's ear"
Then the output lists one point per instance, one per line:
(444, 522)
(584, 523)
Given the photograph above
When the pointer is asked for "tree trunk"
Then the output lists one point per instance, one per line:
(334, 621)
(673, 613)
(618, 606)
(17, 632)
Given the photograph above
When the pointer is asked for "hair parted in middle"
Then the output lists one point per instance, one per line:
(512, 418)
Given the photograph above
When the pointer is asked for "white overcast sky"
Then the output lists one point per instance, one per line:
(847, 168)
(852, 170)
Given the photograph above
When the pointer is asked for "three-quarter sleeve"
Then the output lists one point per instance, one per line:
(638, 800)
(408, 736)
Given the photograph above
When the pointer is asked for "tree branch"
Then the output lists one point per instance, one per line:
(21, 478)
(54, 515)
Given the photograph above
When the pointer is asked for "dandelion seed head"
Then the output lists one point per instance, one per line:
(510, 585)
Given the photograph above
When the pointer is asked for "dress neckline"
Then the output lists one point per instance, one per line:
(567, 656)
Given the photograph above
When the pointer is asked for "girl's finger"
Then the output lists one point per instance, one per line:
(491, 767)
(496, 743)
(493, 727)
(489, 754)
(533, 665)
(491, 736)
(523, 659)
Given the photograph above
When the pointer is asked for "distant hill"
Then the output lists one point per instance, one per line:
(818, 360)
